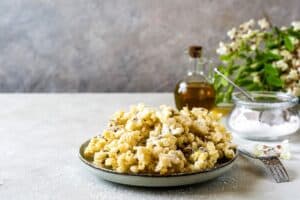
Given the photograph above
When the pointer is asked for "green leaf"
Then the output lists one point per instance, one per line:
(219, 97)
(217, 83)
(224, 82)
(272, 76)
(272, 42)
(225, 57)
(270, 57)
(294, 33)
(255, 67)
(254, 87)
(240, 64)
(270, 70)
(276, 30)
(232, 69)
(288, 43)
(274, 81)
(244, 82)
(227, 95)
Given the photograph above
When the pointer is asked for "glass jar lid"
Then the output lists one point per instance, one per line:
(265, 99)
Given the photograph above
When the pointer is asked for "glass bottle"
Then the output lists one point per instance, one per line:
(194, 90)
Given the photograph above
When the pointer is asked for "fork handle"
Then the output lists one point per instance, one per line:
(246, 153)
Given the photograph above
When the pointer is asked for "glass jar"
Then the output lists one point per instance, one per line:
(272, 116)
(195, 90)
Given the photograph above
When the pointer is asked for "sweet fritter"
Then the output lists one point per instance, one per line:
(162, 141)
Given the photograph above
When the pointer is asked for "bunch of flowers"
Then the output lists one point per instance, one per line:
(260, 57)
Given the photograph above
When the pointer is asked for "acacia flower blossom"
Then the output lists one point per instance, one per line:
(251, 37)
(263, 23)
(222, 50)
(296, 25)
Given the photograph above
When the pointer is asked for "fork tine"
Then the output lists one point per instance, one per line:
(284, 178)
(280, 176)
(284, 175)
(280, 169)
(272, 164)
(276, 168)
(273, 173)
(284, 170)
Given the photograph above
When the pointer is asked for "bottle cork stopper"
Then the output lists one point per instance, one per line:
(195, 51)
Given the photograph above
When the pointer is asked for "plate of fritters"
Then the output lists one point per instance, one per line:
(160, 147)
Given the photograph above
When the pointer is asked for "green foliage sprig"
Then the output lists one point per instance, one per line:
(263, 59)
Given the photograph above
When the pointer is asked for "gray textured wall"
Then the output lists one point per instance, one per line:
(111, 45)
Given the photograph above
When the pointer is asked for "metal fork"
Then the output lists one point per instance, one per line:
(273, 165)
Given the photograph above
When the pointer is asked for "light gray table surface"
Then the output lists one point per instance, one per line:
(40, 135)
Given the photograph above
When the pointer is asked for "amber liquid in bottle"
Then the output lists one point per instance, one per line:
(195, 90)
(196, 94)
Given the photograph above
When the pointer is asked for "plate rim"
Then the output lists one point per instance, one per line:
(90, 164)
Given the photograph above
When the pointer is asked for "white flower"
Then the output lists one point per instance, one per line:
(296, 25)
(249, 24)
(282, 150)
(222, 50)
(253, 47)
(289, 91)
(283, 28)
(234, 45)
(275, 51)
(294, 40)
(256, 79)
(285, 150)
(255, 76)
(281, 65)
(283, 77)
(248, 34)
(231, 34)
(293, 75)
(263, 23)
(296, 63)
(296, 91)
(286, 55)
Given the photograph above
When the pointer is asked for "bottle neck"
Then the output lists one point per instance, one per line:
(196, 66)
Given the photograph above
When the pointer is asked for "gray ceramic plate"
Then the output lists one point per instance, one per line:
(156, 180)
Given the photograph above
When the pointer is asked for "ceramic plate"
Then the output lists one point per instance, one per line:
(156, 180)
